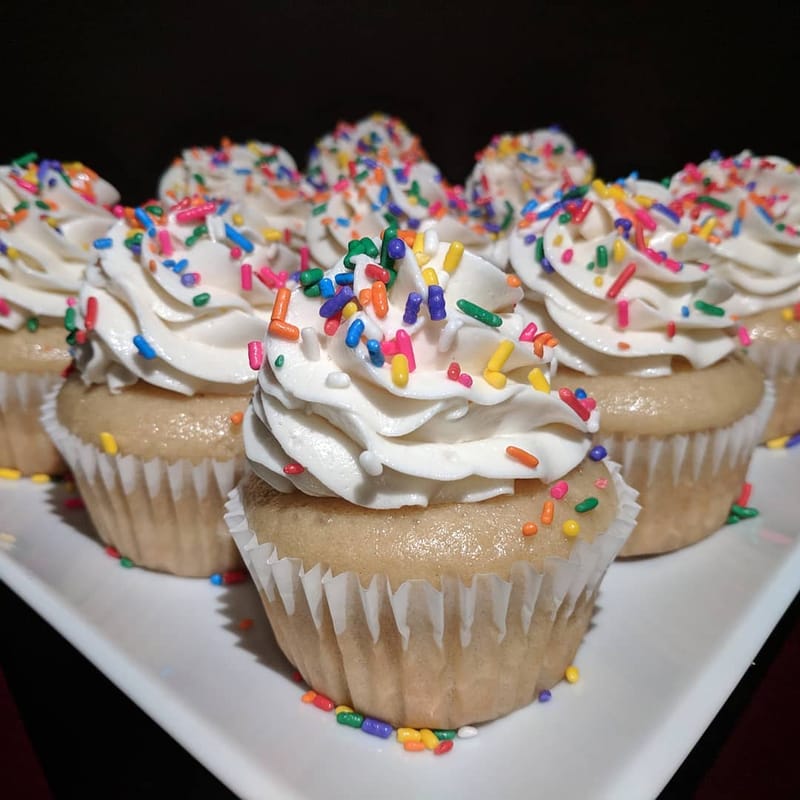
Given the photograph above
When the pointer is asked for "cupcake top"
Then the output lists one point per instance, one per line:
(263, 178)
(616, 278)
(402, 378)
(50, 212)
(515, 169)
(175, 295)
(748, 208)
(376, 136)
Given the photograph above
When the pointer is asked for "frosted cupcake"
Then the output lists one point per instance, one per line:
(150, 420)
(422, 520)
(643, 327)
(748, 208)
(261, 178)
(49, 214)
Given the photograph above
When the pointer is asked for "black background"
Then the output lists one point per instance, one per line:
(641, 85)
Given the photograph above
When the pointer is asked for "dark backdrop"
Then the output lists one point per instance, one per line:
(642, 85)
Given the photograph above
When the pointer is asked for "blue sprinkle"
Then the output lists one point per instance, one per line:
(764, 214)
(376, 727)
(344, 278)
(331, 307)
(492, 227)
(414, 223)
(143, 347)
(326, 288)
(136, 249)
(343, 222)
(179, 266)
(395, 209)
(354, 332)
(188, 279)
(243, 171)
(580, 394)
(436, 305)
(548, 212)
(529, 206)
(396, 248)
(546, 265)
(147, 223)
(216, 579)
(737, 227)
(530, 238)
(369, 163)
(375, 353)
(598, 453)
(383, 196)
(102, 244)
(793, 440)
(528, 157)
(238, 238)
(684, 311)
(223, 207)
(666, 211)
(411, 311)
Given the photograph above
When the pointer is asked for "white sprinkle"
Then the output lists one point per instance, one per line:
(309, 344)
(370, 463)
(448, 334)
(430, 243)
(337, 380)
(216, 227)
(467, 732)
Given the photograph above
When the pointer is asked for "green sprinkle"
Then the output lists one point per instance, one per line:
(480, 314)
(576, 191)
(72, 338)
(780, 226)
(666, 182)
(587, 505)
(508, 218)
(317, 210)
(32, 324)
(361, 175)
(558, 150)
(279, 361)
(41, 204)
(126, 562)
(190, 241)
(24, 205)
(539, 252)
(199, 178)
(713, 201)
(69, 319)
(133, 241)
(23, 161)
(442, 735)
(391, 219)
(602, 256)
(565, 218)
(156, 210)
(312, 291)
(732, 519)
(311, 276)
(744, 512)
(388, 235)
(707, 308)
(590, 265)
(201, 299)
(392, 277)
(351, 718)
(200, 230)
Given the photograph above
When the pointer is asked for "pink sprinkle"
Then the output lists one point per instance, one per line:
(236, 252)
(405, 347)
(434, 208)
(528, 332)
(654, 256)
(287, 236)
(589, 402)
(71, 301)
(23, 184)
(255, 353)
(581, 213)
(645, 219)
(574, 403)
(601, 483)
(5, 309)
(703, 266)
(465, 379)
(268, 277)
(622, 313)
(672, 264)
(389, 347)
(454, 370)
(195, 213)
(282, 277)
(303, 258)
(566, 256)
(165, 242)
(341, 185)
(181, 204)
(559, 490)
(246, 272)
(744, 336)
(118, 211)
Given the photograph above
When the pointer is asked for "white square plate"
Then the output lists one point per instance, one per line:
(671, 638)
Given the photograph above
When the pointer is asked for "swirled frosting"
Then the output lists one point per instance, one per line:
(377, 136)
(174, 297)
(614, 276)
(49, 214)
(411, 385)
(748, 208)
(262, 178)
(518, 170)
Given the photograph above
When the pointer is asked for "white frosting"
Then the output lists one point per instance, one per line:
(46, 227)
(199, 348)
(363, 436)
(263, 178)
(754, 204)
(570, 297)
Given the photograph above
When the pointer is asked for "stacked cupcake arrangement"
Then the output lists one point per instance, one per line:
(425, 417)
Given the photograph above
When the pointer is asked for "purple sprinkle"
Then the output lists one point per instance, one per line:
(436, 305)
(546, 265)
(545, 695)
(598, 453)
(411, 311)
(396, 248)
(793, 440)
(530, 238)
(377, 727)
(331, 307)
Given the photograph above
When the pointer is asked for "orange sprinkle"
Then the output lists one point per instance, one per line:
(281, 304)
(379, 300)
(548, 509)
(623, 346)
(529, 529)
(365, 296)
(151, 265)
(407, 236)
(284, 330)
(237, 417)
(523, 456)
(414, 747)
(309, 696)
(513, 280)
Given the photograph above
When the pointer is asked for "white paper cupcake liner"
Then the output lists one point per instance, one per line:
(165, 515)
(781, 358)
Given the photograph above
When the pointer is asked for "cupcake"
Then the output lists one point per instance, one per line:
(149, 420)
(49, 214)
(748, 209)
(261, 178)
(421, 519)
(643, 327)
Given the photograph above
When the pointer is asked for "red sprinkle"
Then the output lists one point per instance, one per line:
(574, 403)
(621, 280)
(744, 495)
(234, 576)
(325, 703)
(90, 317)
(73, 502)
(293, 468)
(112, 551)
(443, 747)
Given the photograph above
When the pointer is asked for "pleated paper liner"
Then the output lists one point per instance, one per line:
(780, 361)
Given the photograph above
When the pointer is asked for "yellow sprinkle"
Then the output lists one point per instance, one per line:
(680, 239)
(12, 252)
(708, 228)
(429, 276)
(53, 223)
(253, 148)
(537, 379)
(600, 187)
(343, 709)
(571, 528)
(10, 474)
(341, 159)
(500, 356)
(40, 477)
(349, 309)
(429, 738)
(572, 674)
(598, 280)
(238, 219)
(616, 192)
(644, 201)
(400, 370)
(272, 234)
(557, 240)
(419, 242)
(408, 735)
(108, 443)
(618, 250)
(453, 257)
(787, 314)
(422, 259)
(496, 379)
(777, 444)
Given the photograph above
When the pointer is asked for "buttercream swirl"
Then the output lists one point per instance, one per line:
(174, 297)
(49, 214)
(748, 207)
(620, 283)
(387, 406)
